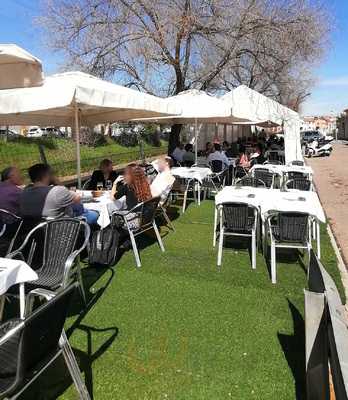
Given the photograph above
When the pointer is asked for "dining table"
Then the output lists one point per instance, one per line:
(98, 203)
(15, 272)
(268, 201)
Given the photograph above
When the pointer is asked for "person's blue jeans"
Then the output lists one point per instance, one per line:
(91, 216)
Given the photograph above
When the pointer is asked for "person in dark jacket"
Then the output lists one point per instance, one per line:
(104, 174)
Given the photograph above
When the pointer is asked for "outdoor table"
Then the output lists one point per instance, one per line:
(270, 200)
(99, 204)
(13, 272)
(196, 173)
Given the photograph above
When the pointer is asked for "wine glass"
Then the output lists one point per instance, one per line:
(108, 184)
(100, 186)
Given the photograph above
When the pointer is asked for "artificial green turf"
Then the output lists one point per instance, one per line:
(183, 330)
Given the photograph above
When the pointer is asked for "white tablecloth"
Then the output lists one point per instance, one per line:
(98, 204)
(268, 200)
(281, 169)
(13, 272)
(197, 173)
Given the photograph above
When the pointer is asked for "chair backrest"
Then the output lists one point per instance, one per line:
(273, 156)
(85, 185)
(273, 162)
(293, 227)
(217, 166)
(10, 225)
(295, 175)
(147, 210)
(265, 176)
(299, 184)
(297, 162)
(239, 172)
(236, 216)
(37, 339)
(250, 181)
(58, 239)
(188, 163)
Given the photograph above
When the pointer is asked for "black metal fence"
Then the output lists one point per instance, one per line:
(61, 154)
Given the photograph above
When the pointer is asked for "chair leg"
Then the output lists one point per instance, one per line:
(73, 368)
(135, 250)
(184, 202)
(199, 193)
(81, 285)
(159, 239)
(215, 226)
(273, 263)
(2, 306)
(221, 242)
(253, 249)
(167, 219)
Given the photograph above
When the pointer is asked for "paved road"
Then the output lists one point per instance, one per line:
(331, 180)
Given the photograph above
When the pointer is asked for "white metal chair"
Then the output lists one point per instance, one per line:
(139, 220)
(287, 230)
(238, 219)
(182, 188)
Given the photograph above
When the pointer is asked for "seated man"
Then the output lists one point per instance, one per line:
(164, 181)
(102, 175)
(9, 189)
(218, 155)
(178, 153)
(42, 199)
(188, 157)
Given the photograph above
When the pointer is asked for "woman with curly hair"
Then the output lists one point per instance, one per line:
(135, 188)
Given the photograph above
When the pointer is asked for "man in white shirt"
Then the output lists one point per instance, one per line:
(162, 184)
(178, 153)
(218, 155)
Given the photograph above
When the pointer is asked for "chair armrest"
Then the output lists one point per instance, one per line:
(8, 335)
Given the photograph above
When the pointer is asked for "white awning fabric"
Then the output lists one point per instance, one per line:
(250, 105)
(98, 101)
(18, 68)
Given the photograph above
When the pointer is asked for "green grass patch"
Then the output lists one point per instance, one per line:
(180, 329)
(61, 154)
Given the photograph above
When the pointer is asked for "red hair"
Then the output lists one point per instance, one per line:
(139, 184)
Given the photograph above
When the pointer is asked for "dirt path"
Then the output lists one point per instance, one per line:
(331, 180)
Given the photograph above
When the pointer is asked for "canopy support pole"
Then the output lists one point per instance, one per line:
(77, 139)
(196, 142)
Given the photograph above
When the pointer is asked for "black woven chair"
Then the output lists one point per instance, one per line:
(297, 162)
(139, 220)
(165, 202)
(299, 184)
(238, 219)
(265, 176)
(28, 347)
(287, 230)
(250, 181)
(59, 241)
(10, 226)
(239, 172)
(273, 162)
(185, 189)
(188, 163)
(217, 166)
(274, 156)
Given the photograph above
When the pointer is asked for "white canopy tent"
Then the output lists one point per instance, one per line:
(18, 68)
(250, 105)
(198, 106)
(75, 99)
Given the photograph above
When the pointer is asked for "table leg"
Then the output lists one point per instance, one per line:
(22, 300)
(215, 224)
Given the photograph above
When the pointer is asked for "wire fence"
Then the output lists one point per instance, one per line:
(61, 154)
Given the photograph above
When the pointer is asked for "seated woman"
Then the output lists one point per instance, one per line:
(102, 175)
(134, 190)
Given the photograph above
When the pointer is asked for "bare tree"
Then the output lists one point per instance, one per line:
(166, 46)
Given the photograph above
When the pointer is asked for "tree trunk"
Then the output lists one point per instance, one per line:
(174, 137)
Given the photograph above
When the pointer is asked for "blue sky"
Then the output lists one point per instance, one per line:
(329, 95)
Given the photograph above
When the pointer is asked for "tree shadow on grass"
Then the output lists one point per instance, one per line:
(294, 350)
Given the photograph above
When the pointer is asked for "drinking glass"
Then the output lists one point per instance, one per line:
(108, 184)
(100, 186)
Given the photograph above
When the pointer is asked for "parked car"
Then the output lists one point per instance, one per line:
(309, 136)
(52, 131)
(8, 132)
(36, 132)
